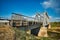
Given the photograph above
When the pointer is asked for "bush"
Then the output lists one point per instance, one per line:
(22, 35)
(55, 24)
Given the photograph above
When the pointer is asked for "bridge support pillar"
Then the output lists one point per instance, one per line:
(43, 32)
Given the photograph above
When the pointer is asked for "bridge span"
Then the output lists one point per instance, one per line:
(30, 23)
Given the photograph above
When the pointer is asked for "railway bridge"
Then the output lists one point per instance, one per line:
(30, 23)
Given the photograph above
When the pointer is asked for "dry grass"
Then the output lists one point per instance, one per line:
(6, 33)
(10, 33)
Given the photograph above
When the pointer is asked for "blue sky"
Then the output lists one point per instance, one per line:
(30, 7)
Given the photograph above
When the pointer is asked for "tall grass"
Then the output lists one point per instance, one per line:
(22, 35)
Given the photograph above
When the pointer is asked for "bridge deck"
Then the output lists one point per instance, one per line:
(30, 27)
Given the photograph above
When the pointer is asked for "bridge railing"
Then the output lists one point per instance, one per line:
(22, 20)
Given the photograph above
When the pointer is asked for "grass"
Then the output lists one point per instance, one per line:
(22, 35)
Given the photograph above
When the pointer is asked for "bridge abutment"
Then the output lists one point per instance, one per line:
(43, 32)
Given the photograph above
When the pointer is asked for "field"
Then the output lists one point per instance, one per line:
(13, 33)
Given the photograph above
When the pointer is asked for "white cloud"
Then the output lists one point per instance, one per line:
(57, 18)
(33, 16)
(55, 4)
(50, 3)
(50, 17)
(46, 4)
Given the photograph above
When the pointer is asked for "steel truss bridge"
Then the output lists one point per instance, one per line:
(19, 20)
